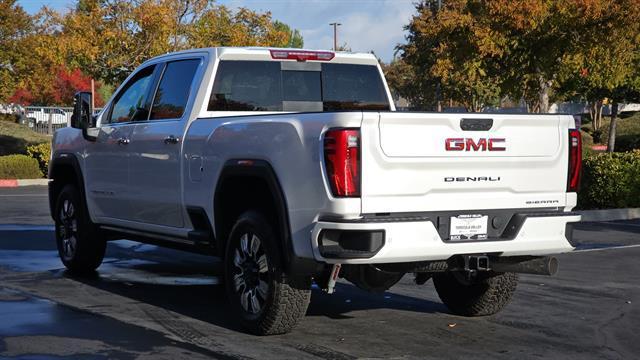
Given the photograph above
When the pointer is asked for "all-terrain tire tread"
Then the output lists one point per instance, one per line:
(91, 245)
(490, 294)
(291, 294)
(292, 302)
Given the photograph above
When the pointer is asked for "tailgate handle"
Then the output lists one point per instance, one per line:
(476, 124)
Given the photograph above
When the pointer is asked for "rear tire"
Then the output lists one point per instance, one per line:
(81, 247)
(486, 294)
(266, 300)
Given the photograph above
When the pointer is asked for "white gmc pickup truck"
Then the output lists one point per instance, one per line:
(294, 167)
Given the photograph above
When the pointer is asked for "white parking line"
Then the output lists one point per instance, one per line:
(621, 224)
(609, 248)
(24, 195)
(13, 227)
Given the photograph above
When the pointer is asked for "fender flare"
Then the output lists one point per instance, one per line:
(64, 159)
(262, 170)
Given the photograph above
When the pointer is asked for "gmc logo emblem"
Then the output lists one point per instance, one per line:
(468, 144)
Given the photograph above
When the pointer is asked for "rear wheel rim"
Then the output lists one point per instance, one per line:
(250, 273)
(68, 229)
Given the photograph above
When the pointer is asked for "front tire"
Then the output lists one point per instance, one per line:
(484, 294)
(266, 300)
(80, 245)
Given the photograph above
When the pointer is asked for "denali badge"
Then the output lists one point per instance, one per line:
(471, 178)
(468, 144)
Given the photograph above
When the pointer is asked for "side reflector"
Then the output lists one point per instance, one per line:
(575, 160)
(300, 55)
(342, 161)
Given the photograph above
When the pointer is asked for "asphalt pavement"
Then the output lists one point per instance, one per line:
(150, 302)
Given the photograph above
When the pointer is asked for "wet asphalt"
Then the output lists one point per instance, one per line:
(147, 302)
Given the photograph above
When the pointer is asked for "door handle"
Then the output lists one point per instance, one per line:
(171, 140)
(123, 141)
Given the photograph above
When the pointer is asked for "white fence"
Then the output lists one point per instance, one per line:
(45, 119)
(41, 119)
(583, 108)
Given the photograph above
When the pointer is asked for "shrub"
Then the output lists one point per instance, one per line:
(610, 180)
(627, 143)
(19, 167)
(9, 117)
(42, 153)
(587, 143)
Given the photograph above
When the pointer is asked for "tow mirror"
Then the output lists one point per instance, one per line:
(82, 117)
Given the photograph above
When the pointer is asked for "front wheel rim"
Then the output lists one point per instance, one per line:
(251, 273)
(68, 229)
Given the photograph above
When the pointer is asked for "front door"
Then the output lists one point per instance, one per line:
(107, 160)
(155, 175)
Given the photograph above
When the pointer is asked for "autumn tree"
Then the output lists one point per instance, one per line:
(15, 25)
(453, 51)
(473, 50)
(43, 55)
(109, 38)
(607, 65)
(68, 82)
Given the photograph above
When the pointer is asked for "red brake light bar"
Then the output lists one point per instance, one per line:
(300, 55)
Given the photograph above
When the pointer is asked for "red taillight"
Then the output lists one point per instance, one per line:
(575, 160)
(342, 160)
(301, 55)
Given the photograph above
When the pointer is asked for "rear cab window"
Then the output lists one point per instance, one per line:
(241, 85)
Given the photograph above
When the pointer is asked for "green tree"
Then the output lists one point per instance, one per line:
(607, 65)
(401, 80)
(295, 38)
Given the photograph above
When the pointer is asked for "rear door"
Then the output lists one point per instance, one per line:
(419, 162)
(155, 175)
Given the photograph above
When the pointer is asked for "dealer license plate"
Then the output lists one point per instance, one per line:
(468, 227)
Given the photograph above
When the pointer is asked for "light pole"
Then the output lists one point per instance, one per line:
(335, 35)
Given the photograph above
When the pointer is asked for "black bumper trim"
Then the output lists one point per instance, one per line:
(504, 224)
(350, 244)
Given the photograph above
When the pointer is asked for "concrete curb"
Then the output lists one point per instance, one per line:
(610, 214)
(4, 183)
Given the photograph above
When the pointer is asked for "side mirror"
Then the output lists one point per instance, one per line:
(82, 117)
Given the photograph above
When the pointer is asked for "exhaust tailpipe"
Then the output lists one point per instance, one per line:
(547, 265)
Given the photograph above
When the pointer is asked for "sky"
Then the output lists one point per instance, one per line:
(366, 24)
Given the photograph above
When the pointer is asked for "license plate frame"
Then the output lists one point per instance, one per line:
(468, 227)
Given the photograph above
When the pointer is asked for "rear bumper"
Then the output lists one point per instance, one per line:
(408, 241)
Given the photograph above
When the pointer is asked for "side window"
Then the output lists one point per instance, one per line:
(247, 86)
(173, 92)
(129, 104)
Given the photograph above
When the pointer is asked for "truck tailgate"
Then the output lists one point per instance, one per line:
(418, 162)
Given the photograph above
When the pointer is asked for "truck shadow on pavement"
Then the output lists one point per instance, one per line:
(184, 283)
(208, 302)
